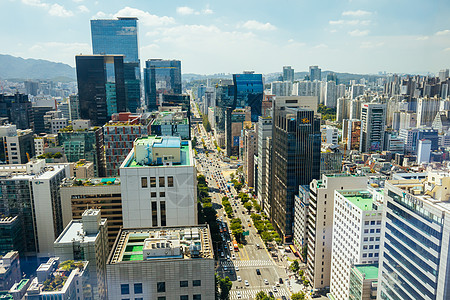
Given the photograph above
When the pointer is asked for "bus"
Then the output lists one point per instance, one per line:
(293, 250)
(235, 245)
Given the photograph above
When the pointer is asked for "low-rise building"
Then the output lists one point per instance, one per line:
(82, 169)
(11, 235)
(65, 281)
(363, 282)
(87, 240)
(162, 263)
(9, 270)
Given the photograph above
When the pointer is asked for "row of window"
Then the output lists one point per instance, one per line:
(160, 287)
(144, 183)
(372, 222)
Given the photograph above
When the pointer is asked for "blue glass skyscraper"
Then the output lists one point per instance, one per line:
(249, 91)
(119, 37)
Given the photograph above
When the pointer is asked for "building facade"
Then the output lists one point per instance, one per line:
(373, 125)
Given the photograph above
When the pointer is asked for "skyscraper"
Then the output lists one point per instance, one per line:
(373, 124)
(288, 74)
(119, 37)
(249, 91)
(295, 161)
(315, 73)
(161, 77)
(101, 87)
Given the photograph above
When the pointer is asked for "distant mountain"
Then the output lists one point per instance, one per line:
(12, 67)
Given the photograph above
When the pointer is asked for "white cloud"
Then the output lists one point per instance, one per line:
(356, 13)
(443, 32)
(83, 9)
(59, 11)
(358, 32)
(145, 18)
(368, 45)
(422, 38)
(255, 25)
(36, 3)
(185, 10)
(207, 11)
(321, 46)
(349, 22)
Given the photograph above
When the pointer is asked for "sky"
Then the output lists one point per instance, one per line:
(356, 36)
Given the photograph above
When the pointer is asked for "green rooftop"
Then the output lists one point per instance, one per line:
(361, 199)
(22, 283)
(369, 271)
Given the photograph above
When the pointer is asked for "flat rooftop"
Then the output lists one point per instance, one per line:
(368, 271)
(362, 199)
(130, 243)
(75, 232)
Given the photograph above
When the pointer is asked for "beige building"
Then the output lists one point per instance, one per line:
(82, 169)
(320, 224)
(162, 263)
(99, 193)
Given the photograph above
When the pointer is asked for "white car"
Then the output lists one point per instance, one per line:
(233, 256)
(275, 289)
(266, 281)
(246, 283)
(238, 294)
(239, 278)
(236, 268)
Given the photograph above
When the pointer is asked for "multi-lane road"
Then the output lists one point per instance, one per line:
(251, 268)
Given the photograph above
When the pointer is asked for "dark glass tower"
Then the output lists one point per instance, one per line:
(249, 91)
(120, 37)
(295, 161)
(161, 77)
(101, 87)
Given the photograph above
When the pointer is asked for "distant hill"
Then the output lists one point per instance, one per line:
(12, 67)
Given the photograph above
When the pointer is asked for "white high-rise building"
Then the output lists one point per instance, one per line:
(320, 224)
(356, 235)
(330, 134)
(373, 125)
(423, 151)
(159, 183)
(264, 130)
(356, 90)
(281, 88)
(330, 94)
(427, 109)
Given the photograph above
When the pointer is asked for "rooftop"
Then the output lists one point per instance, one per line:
(185, 242)
(75, 232)
(7, 220)
(368, 271)
(362, 199)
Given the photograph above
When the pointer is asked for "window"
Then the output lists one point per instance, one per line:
(162, 194)
(366, 230)
(161, 287)
(162, 298)
(370, 254)
(184, 297)
(370, 246)
(143, 182)
(197, 297)
(170, 181)
(161, 182)
(154, 214)
(371, 239)
(366, 223)
(152, 181)
(364, 255)
(378, 230)
(376, 254)
(377, 246)
(138, 288)
(125, 289)
(153, 194)
(184, 283)
(372, 222)
(197, 283)
(378, 222)
(366, 239)
(162, 208)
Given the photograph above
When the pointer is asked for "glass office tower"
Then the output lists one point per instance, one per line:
(249, 91)
(161, 77)
(296, 144)
(120, 37)
(101, 87)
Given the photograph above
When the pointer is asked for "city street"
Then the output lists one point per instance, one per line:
(243, 266)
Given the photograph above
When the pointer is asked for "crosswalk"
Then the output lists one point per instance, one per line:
(247, 263)
(251, 293)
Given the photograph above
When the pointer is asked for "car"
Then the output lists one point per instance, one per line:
(236, 268)
(280, 280)
(228, 257)
(238, 294)
(258, 272)
(266, 281)
(257, 246)
(275, 289)
(283, 297)
(233, 256)
(239, 278)
(246, 283)
(225, 268)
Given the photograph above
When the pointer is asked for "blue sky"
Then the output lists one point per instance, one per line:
(359, 36)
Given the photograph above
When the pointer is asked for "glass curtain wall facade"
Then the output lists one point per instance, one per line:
(101, 87)
(295, 161)
(161, 77)
(120, 37)
(249, 91)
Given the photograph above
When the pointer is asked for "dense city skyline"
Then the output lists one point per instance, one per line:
(217, 37)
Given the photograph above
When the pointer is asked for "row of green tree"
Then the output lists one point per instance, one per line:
(227, 207)
(206, 212)
(265, 228)
(206, 123)
(263, 296)
(295, 267)
(327, 112)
